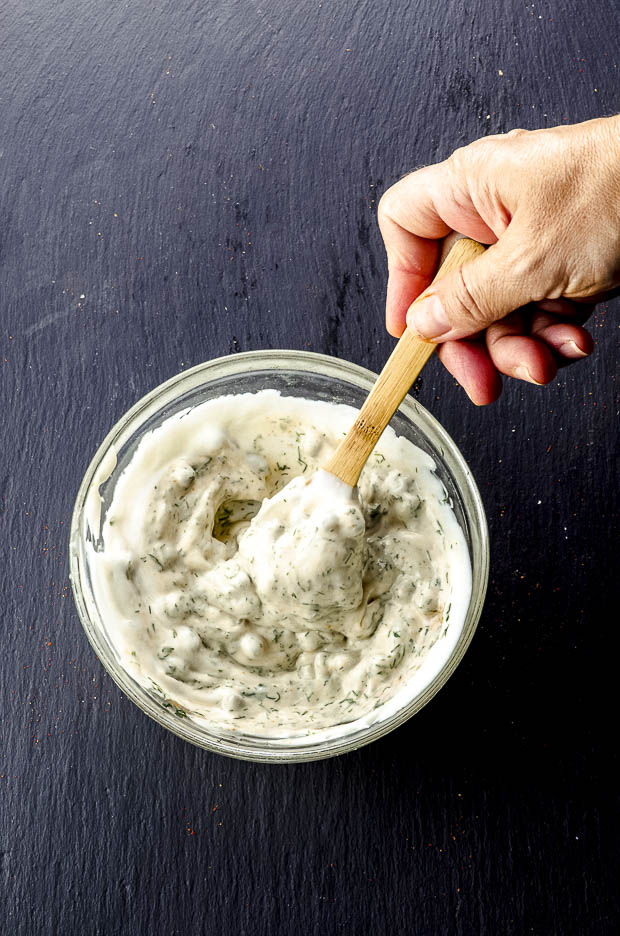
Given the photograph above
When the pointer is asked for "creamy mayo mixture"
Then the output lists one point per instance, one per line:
(253, 592)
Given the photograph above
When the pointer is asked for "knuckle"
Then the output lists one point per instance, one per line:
(386, 204)
(392, 198)
(459, 159)
(466, 162)
(464, 157)
(516, 133)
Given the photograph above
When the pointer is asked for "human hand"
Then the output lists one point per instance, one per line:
(548, 201)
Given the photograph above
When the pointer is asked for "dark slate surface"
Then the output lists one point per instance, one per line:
(183, 180)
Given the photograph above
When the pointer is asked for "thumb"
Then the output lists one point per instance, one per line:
(469, 299)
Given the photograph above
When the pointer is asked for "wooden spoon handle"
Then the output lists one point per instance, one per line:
(400, 371)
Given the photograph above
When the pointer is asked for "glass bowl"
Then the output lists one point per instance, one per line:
(293, 373)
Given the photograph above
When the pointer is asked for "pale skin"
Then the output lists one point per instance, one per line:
(548, 203)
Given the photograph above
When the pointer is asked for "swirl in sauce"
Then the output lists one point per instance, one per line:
(251, 594)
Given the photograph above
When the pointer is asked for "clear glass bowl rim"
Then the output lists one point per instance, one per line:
(268, 750)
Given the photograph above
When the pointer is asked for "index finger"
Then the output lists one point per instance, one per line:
(413, 215)
(412, 262)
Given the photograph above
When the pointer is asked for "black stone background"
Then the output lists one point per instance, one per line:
(181, 180)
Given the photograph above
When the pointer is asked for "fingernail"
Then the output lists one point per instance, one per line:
(428, 318)
(523, 374)
(572, 349)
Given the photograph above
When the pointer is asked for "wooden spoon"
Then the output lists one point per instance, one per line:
(402, 367)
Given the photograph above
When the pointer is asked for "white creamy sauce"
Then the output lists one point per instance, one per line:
(252, 592)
